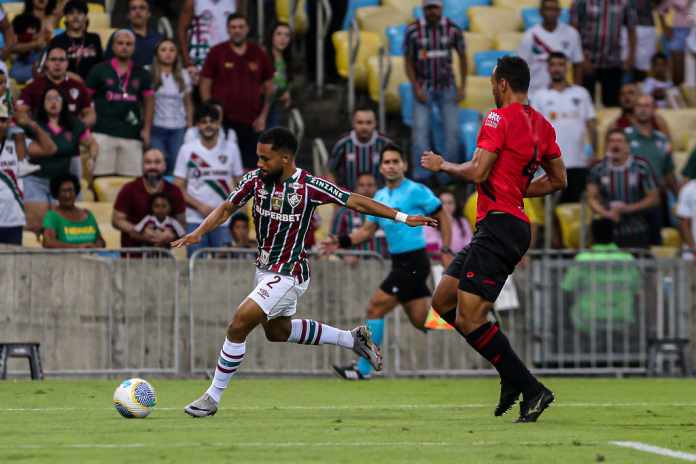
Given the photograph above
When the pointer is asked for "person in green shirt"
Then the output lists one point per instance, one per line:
(68, 226)
(279, 48)
(605, 283)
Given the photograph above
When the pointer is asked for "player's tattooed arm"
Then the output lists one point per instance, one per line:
(363, 204)
(214, 220)
(554, 179)
(477, 170)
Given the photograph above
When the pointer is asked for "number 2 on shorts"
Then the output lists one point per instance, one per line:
(275, 280)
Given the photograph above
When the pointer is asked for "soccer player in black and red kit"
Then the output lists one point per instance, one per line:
(513, 143)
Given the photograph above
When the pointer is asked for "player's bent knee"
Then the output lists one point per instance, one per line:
(277, 335)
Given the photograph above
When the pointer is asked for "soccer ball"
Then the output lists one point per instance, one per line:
(135, 398)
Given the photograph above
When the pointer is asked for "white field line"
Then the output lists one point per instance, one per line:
(395, 407)
(655, 450)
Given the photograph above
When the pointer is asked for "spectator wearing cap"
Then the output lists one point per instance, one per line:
(84, 48)
(598, 22)
(428, 46)
(146, 37)
(134, 201)
(124, 100)
(550, 36)
(239, 74)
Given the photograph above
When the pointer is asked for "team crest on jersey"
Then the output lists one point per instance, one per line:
(294, 199)
(276, 202)
(223, 159)
(493, 120)
(74, 93)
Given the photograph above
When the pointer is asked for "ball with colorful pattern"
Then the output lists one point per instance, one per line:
(135, 398)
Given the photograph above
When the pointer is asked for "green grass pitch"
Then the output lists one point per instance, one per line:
(333, 421)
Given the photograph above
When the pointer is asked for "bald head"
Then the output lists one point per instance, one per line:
(123, 44)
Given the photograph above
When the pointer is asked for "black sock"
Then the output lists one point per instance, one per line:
(449, 317)
(492, 344)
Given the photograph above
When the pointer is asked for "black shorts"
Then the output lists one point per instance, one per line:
(408, 277)
(500, 242)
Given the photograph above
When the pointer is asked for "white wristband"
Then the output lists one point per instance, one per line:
(401, 217)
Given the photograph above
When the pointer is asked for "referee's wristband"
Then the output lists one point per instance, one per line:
(344, 241)
(401, 217)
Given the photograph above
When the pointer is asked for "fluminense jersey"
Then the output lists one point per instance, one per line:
(11, 198)
(282, 216)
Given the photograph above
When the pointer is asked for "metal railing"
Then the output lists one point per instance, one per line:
(296, 125)
(324, 16)
(320, 157)
(353, 48)
(220, 279)
(94, 312)
(384, 76)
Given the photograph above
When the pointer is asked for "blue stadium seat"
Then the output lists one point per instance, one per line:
(354, 5)
(486, 61)
(395, 35)
(531, 17)
(469, 125)
(406, 94)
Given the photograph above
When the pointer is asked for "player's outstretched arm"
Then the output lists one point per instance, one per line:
(214, 220)
(554, 179)
(476, 170)
(363, 204)
(356, 237)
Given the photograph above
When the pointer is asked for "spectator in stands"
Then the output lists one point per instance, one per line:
(628, 96)
(357, 152)
(689, 170)
(461, 230)
(279, 47)
(133, 203)
(124, 100)
(48, 12)
(682, 22)
(173, 102)
(346, 220)
(597, 22)
(570, 110)
(67, 226)
(78, 101)
(428, 49)
(239, 232)
(146, 37)
(548, 37)
(686, 209)
(205, 172)
(622, 188)
(604, 293)
(31, 40)
(159, 223)
(12, 217)
(84, 48)
(239, 74)
(9, 40)
(646, 40)
(660, 86)
(203, 25)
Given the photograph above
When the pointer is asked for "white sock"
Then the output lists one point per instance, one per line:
(231, 357)
(309, 332)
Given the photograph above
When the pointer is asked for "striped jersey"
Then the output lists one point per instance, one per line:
(282, 217)
(628, 183)
(11, 196)
(430, 48)
(350, 158)
(347, 220)
(599, 24)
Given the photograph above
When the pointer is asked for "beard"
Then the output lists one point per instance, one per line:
(152, 177)
(271, 177)
(557, 79)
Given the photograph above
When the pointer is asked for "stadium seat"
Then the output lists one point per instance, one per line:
(689, 93)
(326, 213)
(353, 5)
(406, 95)
(491, 20)
(95, 8)
(476, 42)
(605, 118)
(368, 45)
(86, 192)
(29, 240)
(486, 61)
(478, 94)
(458, 13)
(670, 237)
(680, 158)
(283, 14)
(102, 211)
(569, 221)
(104, 34)
(469, 126)
(111, 236)
(508, 41)
(665, 252)
(107, 188)
(515, 4)
(13, 8)
(681, 124)
(99, 20)
(470, 209)
(531, 17)
(394, 66)
(405, 5)
(378, 18)
(395, 36)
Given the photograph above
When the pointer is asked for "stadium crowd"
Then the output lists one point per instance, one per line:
(173, 121)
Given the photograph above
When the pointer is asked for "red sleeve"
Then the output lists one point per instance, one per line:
(268, 70)
(123, 199)
(492, 134)
(551, 148)
(210, 65)
(177, 199)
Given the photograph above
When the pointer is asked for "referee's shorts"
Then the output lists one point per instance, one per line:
(499, 243)
(407, 280)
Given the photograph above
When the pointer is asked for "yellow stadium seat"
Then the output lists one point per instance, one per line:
(664, 252)
(508, 41)
(99, 20)
(368, 45)
(490, 20)
(405, 5)
(569, 3)
(689, 93)
(397, 76)
(680, 158)
(671, 237)
(85, 191)
(605, 118)
(107, 188)
(105, 34)
(470, 209)
(326, 213)
(476, 42)
(534, 207)
(682, 124)
(516, 5)
(283, 14)
(377, 18)
(479, 95)
(95, 8)
(569, 220)
(29, 240)
(13, 8)
(111, 236)
(102, 211)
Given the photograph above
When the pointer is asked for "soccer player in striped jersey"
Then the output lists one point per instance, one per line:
(284, 199)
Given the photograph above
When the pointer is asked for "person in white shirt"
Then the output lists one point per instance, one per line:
(686, 212)
(206, 171)
(550, 36)
(570, 110)
(660, 86)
